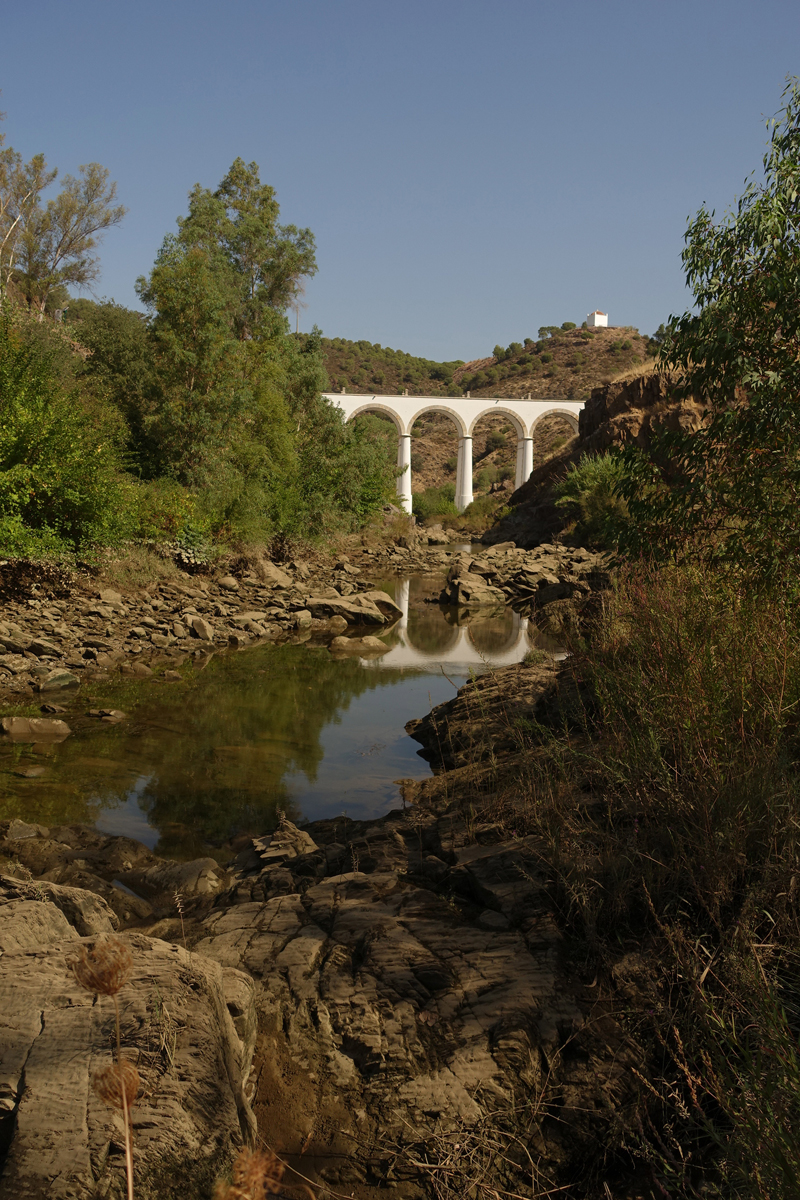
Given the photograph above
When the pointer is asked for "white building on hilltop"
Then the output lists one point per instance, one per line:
(597, 319)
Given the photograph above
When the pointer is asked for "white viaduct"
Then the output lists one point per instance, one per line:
(464, 412)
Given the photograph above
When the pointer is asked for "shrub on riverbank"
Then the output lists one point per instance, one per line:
(435, 502)
(668, 798)
(590, 495)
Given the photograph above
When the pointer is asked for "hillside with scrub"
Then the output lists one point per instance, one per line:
(563, 360)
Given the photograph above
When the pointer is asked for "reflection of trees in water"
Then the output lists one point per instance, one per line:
(253, 721)
(215, 755)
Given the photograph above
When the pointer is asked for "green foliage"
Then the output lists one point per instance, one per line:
(513, 350)
(44, 247)
(499, 353)
(452, 463)
(729, 490)
(568, 325)
(60, 484)
(435, 502)
(121, 367)
(485, 510)
(485, 478)
(590, 493)
(546, 356)
(495, 441)
(353, 365)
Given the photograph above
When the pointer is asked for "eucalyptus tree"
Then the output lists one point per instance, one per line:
(731, 489)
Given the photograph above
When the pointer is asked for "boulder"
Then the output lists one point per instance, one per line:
(34, 729)
(162, 878)
(56, 680)
(85, 914)
(109, 596)
(135, 668)
(44, 649)
(273, 574)
(437, 536)
(382, 601)
(472, 592)
(286, 842)
(15, 644)
(201, 628)
(373, 645)
(191, 1108)
(229, 583)
(358, 611)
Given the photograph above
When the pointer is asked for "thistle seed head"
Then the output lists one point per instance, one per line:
(256, 1174)
(103, 968)
(116, 1081)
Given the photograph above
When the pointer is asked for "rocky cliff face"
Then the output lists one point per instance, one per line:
(626, 410)
(631, 411)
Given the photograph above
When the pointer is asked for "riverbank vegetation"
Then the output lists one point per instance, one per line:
(663, 775)
(200, 422)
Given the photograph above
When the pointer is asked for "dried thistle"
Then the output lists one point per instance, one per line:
(117, 1085)
(256, 1173)
(181, 910)
(103, 968)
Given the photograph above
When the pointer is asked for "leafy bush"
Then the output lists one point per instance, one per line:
(495, 441)
(60, 467)
(591, 497)
(732, 484)
(546, 356)
(435, 502)
(568, 325)
(452, 463)
(485, 478)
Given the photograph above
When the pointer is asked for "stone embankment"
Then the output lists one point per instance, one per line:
(49, 643)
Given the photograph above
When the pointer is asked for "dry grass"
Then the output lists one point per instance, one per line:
(136, 566)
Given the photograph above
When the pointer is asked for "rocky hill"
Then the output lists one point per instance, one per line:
(564, 362)
(629, 409)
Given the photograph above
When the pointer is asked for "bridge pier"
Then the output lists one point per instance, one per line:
(404, 472)
(524, 461)
(464, 474)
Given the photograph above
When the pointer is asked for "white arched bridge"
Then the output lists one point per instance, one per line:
(464, 412)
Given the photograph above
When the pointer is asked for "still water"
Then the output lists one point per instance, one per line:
(269, 728)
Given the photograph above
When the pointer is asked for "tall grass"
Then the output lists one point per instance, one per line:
(667, 792)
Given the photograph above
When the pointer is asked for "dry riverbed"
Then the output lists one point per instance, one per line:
(385, 1003)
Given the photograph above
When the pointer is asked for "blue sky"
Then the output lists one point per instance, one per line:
(470, 170)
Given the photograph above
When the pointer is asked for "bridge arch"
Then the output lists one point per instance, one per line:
(384, 409)
(495, 411)
(570, 417)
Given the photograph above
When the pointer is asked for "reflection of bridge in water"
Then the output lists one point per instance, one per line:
(498, 640)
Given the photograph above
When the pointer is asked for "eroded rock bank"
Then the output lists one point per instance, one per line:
(61, 631)
(415, 1025)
